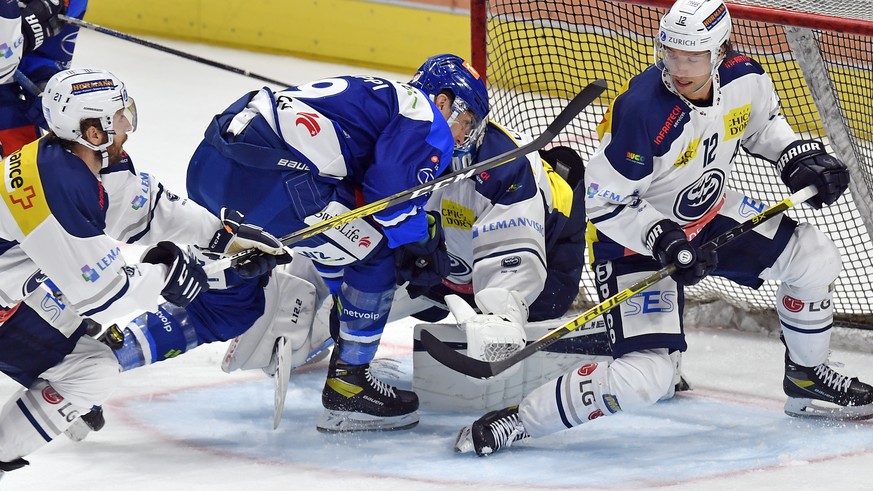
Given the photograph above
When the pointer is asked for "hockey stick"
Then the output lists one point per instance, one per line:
(127, 37)
(26, 83)
(443, 353)
(582, 100)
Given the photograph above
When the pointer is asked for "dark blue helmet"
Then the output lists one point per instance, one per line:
(452, 73)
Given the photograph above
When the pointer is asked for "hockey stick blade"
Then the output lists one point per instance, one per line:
(582, 100)
(444, 354)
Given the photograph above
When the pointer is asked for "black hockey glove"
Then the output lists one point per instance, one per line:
(805, 162)
(39, 21)
(185, 278)
(236, 236)
(424, 263)
(669, 245)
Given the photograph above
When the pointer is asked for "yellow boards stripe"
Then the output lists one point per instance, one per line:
(23, 193)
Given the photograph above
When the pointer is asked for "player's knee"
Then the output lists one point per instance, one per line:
(638, 379)
(810, 261)
(86, 377)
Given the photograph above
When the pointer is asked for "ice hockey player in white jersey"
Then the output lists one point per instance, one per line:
(69, 197)
(656, 193)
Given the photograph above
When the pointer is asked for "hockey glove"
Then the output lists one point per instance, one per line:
(39, 21)
(185, 278)
(805, 162)
(424, 263)
(669, 245)
(236, 236)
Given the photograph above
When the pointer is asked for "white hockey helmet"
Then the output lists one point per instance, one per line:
(72, 96)
(696, 26)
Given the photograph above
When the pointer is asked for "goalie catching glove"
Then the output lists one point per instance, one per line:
(498, 331)
(236, 236)
(805, 162)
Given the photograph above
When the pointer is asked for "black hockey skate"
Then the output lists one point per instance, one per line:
(491, 432)
(804, 385)
(11, 466)
(93, 420)
(355, 400)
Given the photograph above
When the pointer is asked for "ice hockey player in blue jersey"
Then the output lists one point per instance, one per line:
(37, 44)
(656, 193)
(292, 158)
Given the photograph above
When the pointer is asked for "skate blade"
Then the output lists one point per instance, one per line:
(346, 422)
(799, 407)
(464, 440)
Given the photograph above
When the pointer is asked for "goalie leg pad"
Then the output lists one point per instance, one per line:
(294, 310)
(441, 389)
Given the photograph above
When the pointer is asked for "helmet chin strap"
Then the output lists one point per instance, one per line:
(102, 149)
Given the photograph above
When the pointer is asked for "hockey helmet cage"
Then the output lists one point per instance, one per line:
(452, 73)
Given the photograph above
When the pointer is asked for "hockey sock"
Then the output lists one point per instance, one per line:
(806, 316)
(634, 381)
(154, 337)
(32, 418)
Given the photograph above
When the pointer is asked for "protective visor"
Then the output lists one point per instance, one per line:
(680, 63)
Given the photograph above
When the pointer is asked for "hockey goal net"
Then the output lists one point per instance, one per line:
(537, 54)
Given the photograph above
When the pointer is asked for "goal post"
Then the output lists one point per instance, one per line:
(535, 54)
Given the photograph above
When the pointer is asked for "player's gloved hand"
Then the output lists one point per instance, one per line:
(185, 278)
(669, 245)
(498, 331)
(424, 263)
(236, 236)
(805, 162)
(39, 21)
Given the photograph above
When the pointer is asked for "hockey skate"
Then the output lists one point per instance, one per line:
(11, 466)
(848, 398)
(490, 433)
(93, 420)
(355, 400)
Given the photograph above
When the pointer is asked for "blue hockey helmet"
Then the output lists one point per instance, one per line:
(452, 73)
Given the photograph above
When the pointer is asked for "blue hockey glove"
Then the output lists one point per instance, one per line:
(669, 245)
(805, 162)
(236, 236)
(424, 263)
(39, 21)
(185, 278)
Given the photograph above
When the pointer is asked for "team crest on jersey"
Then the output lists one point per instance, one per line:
(689, 153)
(695, 200)
(735, 121)
(459, 267)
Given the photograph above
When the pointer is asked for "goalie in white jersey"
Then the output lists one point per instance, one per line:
(656, 193)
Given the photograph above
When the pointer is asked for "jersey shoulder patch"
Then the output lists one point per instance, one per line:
(74, 195)
(736, 66)
(650, 112)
